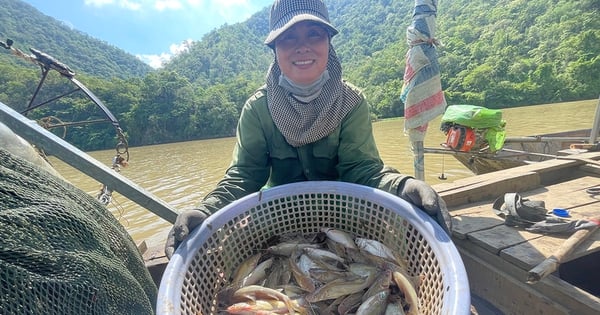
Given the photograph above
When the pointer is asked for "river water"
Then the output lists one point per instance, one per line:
(182, 173)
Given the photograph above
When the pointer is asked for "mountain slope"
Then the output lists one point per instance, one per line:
(29, 28)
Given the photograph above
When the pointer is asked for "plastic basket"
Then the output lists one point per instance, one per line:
(201, 266)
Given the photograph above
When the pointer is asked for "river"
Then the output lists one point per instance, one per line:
(182, 173)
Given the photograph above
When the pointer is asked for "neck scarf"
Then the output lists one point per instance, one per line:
(306, 122)
(304, 93)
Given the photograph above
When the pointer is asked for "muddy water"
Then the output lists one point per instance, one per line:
(182, 173)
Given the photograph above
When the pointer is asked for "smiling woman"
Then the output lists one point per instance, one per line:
(302, 53)
(305, 124)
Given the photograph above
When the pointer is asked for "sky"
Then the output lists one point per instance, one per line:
(152, 30)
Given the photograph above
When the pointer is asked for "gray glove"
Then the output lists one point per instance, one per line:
(186, 222)
(423, 196)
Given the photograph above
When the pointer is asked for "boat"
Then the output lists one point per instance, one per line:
(500, 259)
(518, 151)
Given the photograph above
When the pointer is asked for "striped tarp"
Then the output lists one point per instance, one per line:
(422, 93)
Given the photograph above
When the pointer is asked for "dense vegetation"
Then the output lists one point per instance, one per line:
(495, 53)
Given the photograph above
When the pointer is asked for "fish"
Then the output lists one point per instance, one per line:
(244, 269)
(340, 236)
(394, 308)
(340, 287)
(326, 275)
(287, 248)
(258, 274)
(381, 283)
(410, 293)
(302, 277)
(254, 307)
(324, 255)
(279, 273)
(375, 305)
(377, 248)
(256, 292)
(350, 303)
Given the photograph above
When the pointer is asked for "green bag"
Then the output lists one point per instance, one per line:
(473, 116)
(478, 117)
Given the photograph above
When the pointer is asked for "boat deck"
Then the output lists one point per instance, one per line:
(498, 257)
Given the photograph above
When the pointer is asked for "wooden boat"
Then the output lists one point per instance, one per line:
(518, 151)
(499, 258)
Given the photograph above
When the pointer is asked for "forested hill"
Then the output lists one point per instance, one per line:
(497, 53)
(494, 53)
(29, 28)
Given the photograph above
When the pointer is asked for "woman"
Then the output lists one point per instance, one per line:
(306, 123)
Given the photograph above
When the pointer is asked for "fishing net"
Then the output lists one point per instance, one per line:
(62, 252)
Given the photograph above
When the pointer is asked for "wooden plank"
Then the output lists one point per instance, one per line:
(503, 284)
(478, 217)
(500, 237)
(523, 178)
(488, 189)
(505, 292)
(530, 254)
(569, 195)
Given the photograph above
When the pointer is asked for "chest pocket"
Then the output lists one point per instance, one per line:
(279, 148)
(327, 148)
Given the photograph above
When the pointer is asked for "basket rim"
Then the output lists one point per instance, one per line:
(169, 296)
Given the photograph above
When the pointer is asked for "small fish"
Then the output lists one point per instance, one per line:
(252, 307)
(258, 274)
(394, 308)
(377, 248)
(340, 236)
(381, 283)
(339, 287)
(255, 292)
(324, 255)
(410, 293)
(244, 269)
(350, 303)
(287, 248)
(279, 273)
(327, 275)
(302, 278)
(374, 305)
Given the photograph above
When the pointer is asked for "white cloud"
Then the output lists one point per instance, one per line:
(98, 3)
(127, 4)
(162, 5)
(157, 61)
(177, 49)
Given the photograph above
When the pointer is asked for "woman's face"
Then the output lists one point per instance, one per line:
(302, 52)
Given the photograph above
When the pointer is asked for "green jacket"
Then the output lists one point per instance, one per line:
(262, 158)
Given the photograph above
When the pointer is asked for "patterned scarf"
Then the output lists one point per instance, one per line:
(303, 123)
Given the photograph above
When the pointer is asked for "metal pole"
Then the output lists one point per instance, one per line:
(35, 134)
(419, 159)
(594, 133)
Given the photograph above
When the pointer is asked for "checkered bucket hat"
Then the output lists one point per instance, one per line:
(285, 13)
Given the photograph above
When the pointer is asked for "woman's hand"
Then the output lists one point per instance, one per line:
(186, 222)
(425, 197)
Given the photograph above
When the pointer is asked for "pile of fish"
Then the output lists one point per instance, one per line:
(330, 272)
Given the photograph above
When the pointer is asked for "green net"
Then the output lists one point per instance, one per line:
(62, 252)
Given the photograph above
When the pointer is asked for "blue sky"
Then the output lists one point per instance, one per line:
(152, 30)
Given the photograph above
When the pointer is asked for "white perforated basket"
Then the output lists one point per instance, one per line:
(202, 265)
